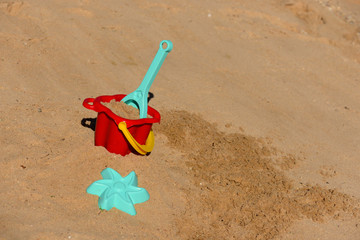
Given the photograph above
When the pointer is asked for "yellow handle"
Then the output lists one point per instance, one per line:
(142, 149)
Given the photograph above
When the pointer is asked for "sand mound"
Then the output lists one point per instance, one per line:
(122, 109)
(240, 188)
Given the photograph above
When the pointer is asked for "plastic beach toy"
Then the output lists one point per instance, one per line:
(138, 98)
(117, 191)
(120, 135)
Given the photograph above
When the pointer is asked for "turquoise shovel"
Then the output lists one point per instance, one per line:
(138, 98)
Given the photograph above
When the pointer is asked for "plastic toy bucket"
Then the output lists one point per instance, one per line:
(120, 135)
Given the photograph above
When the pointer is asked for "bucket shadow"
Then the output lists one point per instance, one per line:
(89, 123)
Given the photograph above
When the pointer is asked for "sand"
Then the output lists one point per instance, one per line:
(240, 187)
(259, 130)
(122, 109)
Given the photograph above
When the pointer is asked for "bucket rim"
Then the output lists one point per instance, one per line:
(98, 107)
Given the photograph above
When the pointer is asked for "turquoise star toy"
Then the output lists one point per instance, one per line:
(117, 191)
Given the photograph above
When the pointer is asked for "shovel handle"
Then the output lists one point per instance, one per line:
(155, 66)
(138, 98)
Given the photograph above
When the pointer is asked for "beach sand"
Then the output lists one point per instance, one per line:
(260, 118)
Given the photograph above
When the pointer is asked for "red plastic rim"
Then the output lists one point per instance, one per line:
(98, 107)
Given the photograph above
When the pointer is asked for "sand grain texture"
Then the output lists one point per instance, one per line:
(259, 102)
(122, 109)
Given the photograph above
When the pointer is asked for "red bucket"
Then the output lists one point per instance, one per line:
(108, 124)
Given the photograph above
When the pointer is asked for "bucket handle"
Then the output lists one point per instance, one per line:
(142, 149)
(87, 105)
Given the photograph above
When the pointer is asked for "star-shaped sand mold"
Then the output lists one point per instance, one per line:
(117, 191)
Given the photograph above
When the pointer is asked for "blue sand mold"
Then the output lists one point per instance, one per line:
(117, 191)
